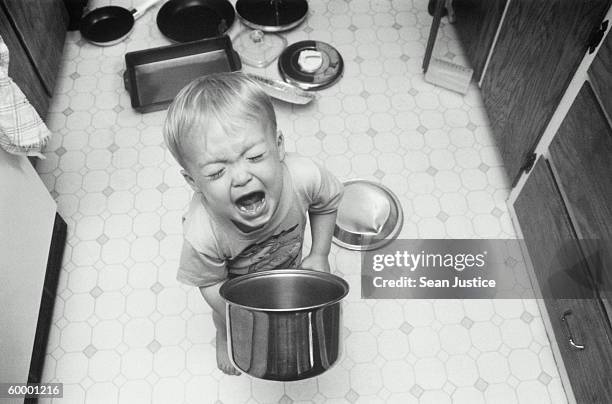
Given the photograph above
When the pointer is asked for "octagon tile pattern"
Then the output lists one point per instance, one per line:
(123, 329)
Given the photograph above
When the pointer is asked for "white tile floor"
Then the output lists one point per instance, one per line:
(125, 331)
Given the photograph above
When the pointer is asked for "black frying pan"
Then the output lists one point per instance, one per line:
(192, 20)
(109, 25)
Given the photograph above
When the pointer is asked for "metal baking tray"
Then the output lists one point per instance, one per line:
(154, 76)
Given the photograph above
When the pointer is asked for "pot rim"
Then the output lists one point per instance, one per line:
(308, 272)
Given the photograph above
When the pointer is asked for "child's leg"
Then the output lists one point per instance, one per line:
(223, 361)
(212, 297)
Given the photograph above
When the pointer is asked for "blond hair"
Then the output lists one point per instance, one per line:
(231, 99)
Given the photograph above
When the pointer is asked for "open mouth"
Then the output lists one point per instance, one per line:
(251, 203)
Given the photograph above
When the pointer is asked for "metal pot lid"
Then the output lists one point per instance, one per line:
(310, 65)
(369, 216)
(272, 15)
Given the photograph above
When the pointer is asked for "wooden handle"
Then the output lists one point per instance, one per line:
(433, 32)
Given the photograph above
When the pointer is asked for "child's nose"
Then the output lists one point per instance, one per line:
(240, 176)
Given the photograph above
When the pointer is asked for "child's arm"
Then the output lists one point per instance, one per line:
(322, 229)
(214, 299)
(321, 192)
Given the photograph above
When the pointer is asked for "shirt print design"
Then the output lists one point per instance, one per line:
(280, 251)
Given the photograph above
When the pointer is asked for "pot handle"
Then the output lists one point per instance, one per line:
(138, 12)
(320, 324)
(235, 58)
(239, 327)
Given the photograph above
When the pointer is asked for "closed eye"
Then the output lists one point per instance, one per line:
(216, 175)
(256, 158)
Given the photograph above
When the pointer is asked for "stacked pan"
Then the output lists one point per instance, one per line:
(178, 20)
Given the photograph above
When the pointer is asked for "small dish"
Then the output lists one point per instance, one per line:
(369, 216)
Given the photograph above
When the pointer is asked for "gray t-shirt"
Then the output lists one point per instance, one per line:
(214, 249)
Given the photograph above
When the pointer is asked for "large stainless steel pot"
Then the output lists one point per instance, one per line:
(284, 324)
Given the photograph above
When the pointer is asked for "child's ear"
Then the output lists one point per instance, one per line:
(189, 180)
(280, 144)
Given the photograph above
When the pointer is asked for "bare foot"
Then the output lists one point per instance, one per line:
(223, 361)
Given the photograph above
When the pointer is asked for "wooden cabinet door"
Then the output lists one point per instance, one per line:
(476, 24)
(21, 70)
(549, 238)
(581, 154)
(600, 74)
(540, 45)
(41, 27)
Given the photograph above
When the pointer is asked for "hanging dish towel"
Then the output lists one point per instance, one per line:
(21, 129)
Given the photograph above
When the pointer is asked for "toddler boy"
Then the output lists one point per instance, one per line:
(248, 211)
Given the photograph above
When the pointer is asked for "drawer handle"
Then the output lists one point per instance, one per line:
(570, 336)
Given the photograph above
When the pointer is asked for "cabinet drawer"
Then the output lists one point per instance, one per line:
(589, 368)
(562, 274)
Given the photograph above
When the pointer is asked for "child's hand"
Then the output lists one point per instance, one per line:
(316, 262)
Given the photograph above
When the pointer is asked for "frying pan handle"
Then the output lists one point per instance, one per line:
(138, 12)
(236, 57)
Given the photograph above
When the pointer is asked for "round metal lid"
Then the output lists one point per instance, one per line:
(272, 15)
(369, 216)
(296, 65)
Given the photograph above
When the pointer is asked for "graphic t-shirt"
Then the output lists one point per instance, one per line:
(214, 249)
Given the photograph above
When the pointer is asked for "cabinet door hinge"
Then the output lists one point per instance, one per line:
(597, 35)
(529, 163)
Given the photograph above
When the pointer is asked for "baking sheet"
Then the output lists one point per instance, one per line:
(153, 77)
